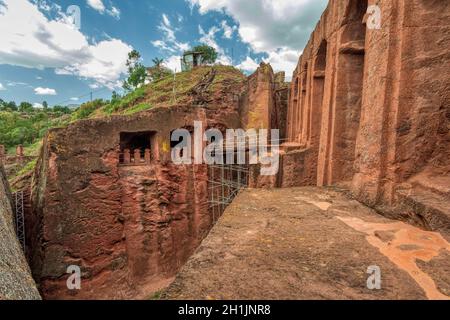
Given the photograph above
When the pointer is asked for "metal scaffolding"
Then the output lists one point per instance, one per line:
(20, 218)
(224, 183)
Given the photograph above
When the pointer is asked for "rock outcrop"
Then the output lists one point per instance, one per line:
(370, 107)
(16, 282)
(128, 218)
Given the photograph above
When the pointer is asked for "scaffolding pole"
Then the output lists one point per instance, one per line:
(225, 182)
(20, 218)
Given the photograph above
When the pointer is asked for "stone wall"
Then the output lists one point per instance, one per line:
(371, 106)
(16, 282)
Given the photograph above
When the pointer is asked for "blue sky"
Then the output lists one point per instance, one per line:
(46, 56)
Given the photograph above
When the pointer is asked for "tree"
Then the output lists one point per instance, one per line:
(158, 70)
(209, 54)
(45, 105)
(26, 107)
(137, 74)
(11, 106)
(115, 97)
(157, 62)
(61, 109)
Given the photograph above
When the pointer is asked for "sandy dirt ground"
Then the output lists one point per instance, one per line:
(312, 243)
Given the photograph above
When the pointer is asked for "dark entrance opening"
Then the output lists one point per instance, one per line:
(136, 147)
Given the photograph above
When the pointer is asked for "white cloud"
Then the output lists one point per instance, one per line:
(227, 30)
(270, 26)
(2, 88)
(74, 99)
(97, 5)
(106, 67)
(38, 106)
(173, 63)
(248, 64)
(170, 42)
(209, 38)
(44, 91)
(15, 84)
(284, 59)
(114, 12)
(31, 40)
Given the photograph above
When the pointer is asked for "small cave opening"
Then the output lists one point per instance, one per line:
(136, 147)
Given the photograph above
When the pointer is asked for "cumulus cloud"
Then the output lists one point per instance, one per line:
(275, 27)
(248, 65)
(284, 59)
(173, 63)
(38, 106)
(209, 38)
(2, 87)
(74, 99)
(39, 42)
(97, 5)
(44, 91)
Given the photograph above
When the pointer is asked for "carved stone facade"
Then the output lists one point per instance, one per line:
(370, 108)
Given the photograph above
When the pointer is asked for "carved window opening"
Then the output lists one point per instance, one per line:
(136, 147)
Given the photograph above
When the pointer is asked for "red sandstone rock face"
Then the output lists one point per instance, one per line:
(127, 227)
(130, 228)
(372, 106)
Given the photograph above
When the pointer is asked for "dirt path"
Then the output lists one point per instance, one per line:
(312, 243)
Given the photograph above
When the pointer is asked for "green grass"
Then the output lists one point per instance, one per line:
(165, 92)
(26, 169)
(126, 102)
(137, 108)
(33, 149)
(155, 296)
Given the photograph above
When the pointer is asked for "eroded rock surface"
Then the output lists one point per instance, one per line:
(370, 108)
(312, 243)
(16, 282)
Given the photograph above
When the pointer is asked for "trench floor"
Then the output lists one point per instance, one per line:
(312, 243)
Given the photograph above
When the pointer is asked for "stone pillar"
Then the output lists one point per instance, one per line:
(19, 153)
(126, 156)
(137, 156)
(147, 156)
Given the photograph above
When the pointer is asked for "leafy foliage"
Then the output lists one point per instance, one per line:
(137, 74)
(86, 109)
(158, 71)
(209, 54)
(120, 103)
(28, 126)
